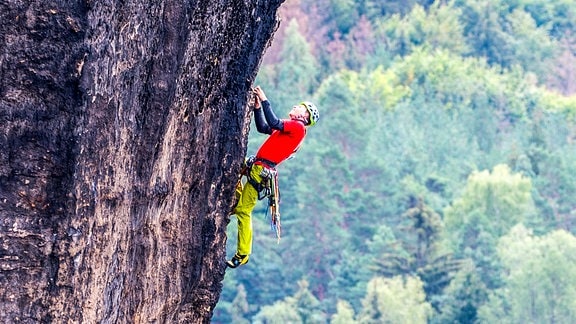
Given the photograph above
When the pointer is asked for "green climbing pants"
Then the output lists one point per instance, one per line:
(248, 197)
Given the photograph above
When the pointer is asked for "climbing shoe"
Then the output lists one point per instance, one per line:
(237, 260)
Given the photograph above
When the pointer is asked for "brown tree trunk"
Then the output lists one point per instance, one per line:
(123, 124)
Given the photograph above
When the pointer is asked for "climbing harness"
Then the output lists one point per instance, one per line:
(267, 187)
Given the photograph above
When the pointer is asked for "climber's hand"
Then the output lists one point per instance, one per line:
(260, 93)
(255, 100)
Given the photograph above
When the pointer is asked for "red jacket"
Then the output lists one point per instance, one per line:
(286, 135)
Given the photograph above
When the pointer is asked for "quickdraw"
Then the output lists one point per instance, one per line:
(274, 205)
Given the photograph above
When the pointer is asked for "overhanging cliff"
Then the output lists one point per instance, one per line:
(123, 126)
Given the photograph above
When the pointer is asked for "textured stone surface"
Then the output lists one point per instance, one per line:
(122, 129)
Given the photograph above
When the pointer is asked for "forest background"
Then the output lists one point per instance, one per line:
(439, 185)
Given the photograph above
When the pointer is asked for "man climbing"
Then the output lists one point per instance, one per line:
(285, 138)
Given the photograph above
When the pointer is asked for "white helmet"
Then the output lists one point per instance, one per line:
(313, 111)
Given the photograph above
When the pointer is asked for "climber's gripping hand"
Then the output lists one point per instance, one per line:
(259, 97)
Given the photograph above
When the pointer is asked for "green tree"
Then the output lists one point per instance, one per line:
(294, 78)
(531, 46)
(491, 204)
(240, 306)
(302, 307)
(308, 305)
(539, 279)
(297, 73)
(553, 169)
(462, 298)
(557, 187)
(279, 313)
(314, 214)
(361, 44)
(387, 8)
(344, 313)
(497, 200)
(344, 13)
(558, 14)
(436, 28)
(483, 29)
(424, 257)
(507, 35)
(395, 300)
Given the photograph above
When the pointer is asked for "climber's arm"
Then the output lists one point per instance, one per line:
(261, 124)
(273, 121)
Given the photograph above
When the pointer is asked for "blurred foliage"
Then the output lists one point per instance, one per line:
(395, 300)
(548, 264)
(441, 171)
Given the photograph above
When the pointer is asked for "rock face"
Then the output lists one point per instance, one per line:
(123, 124)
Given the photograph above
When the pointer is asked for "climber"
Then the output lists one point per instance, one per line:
(285, 138)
